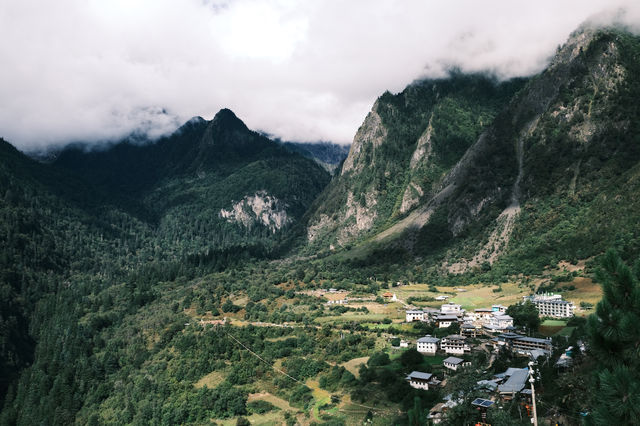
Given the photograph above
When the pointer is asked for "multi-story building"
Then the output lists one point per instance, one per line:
(482, 313)
(498, 323)
(414, 315)
(419, 380)
(469, 330)
(499, 308)
(523, 345)
(451, 308)
(454, 344)
(445, 321)
(453, 363)
(427, 345)
(551, 305)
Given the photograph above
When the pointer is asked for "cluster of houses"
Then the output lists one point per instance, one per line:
(498, 326)
(506, 386)
(492, 319)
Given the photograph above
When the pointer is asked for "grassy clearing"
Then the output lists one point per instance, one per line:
(281, 338)
(211, 380)
(267, 419)
(269, 397)
(351, 317)
(565, 332)
(480, 296)
(473, 296)
(434, 360)
(353, 365)
(270, 418)
(554, 323)
(585, 291)
(320, 396)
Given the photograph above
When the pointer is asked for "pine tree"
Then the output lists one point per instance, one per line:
(417, 416)
(614, 332)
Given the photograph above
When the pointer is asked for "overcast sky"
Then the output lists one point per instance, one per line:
(96, 70)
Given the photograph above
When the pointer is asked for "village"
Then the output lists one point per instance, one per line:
(430, 339)
(490, 330)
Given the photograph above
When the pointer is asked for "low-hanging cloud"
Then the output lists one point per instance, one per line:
(95, 71)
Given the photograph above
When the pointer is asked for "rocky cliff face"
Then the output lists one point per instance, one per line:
(259, 209)
(401, 153)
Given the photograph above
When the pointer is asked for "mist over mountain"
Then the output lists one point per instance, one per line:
(301, 71)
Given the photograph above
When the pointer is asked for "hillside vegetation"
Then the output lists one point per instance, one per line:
(183, 281)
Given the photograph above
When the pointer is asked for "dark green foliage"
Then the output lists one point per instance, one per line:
(417, 415)
(525, 315)
(260, 406)
(614, 332)
(242, 421)
(378, 359)
(301, 396)
(411, 359)
(329, 155)
(303, 368)
(337, 377)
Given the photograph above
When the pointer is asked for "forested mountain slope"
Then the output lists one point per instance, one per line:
(208, 196)
(209, 185)
(524, 175)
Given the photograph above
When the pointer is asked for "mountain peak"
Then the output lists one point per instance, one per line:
(225, 118)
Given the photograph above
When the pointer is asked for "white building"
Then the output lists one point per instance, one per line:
(498, 323)
(427, 345)
(445, 321)
(450, 308)
(551, 305)
(414, 315)
(442, 298)
(419, 380)
(454, 344)
(482, 313)
(453, 363)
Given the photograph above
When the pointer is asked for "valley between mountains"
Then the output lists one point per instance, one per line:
(217, 276)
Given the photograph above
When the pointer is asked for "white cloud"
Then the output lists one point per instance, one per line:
(97, 70)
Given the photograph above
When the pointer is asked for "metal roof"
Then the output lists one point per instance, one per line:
(446, 318)
(516, 381)
(453, 360)
(419, 375)
(533, 340)
(428, 339)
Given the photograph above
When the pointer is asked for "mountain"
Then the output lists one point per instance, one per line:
(464, 172)
(209, 195)
(214, 183)
(328, 155)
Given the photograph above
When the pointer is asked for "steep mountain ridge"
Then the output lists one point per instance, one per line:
(403, 150)
(574, 113)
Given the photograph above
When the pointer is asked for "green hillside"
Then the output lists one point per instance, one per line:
(516, 176)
